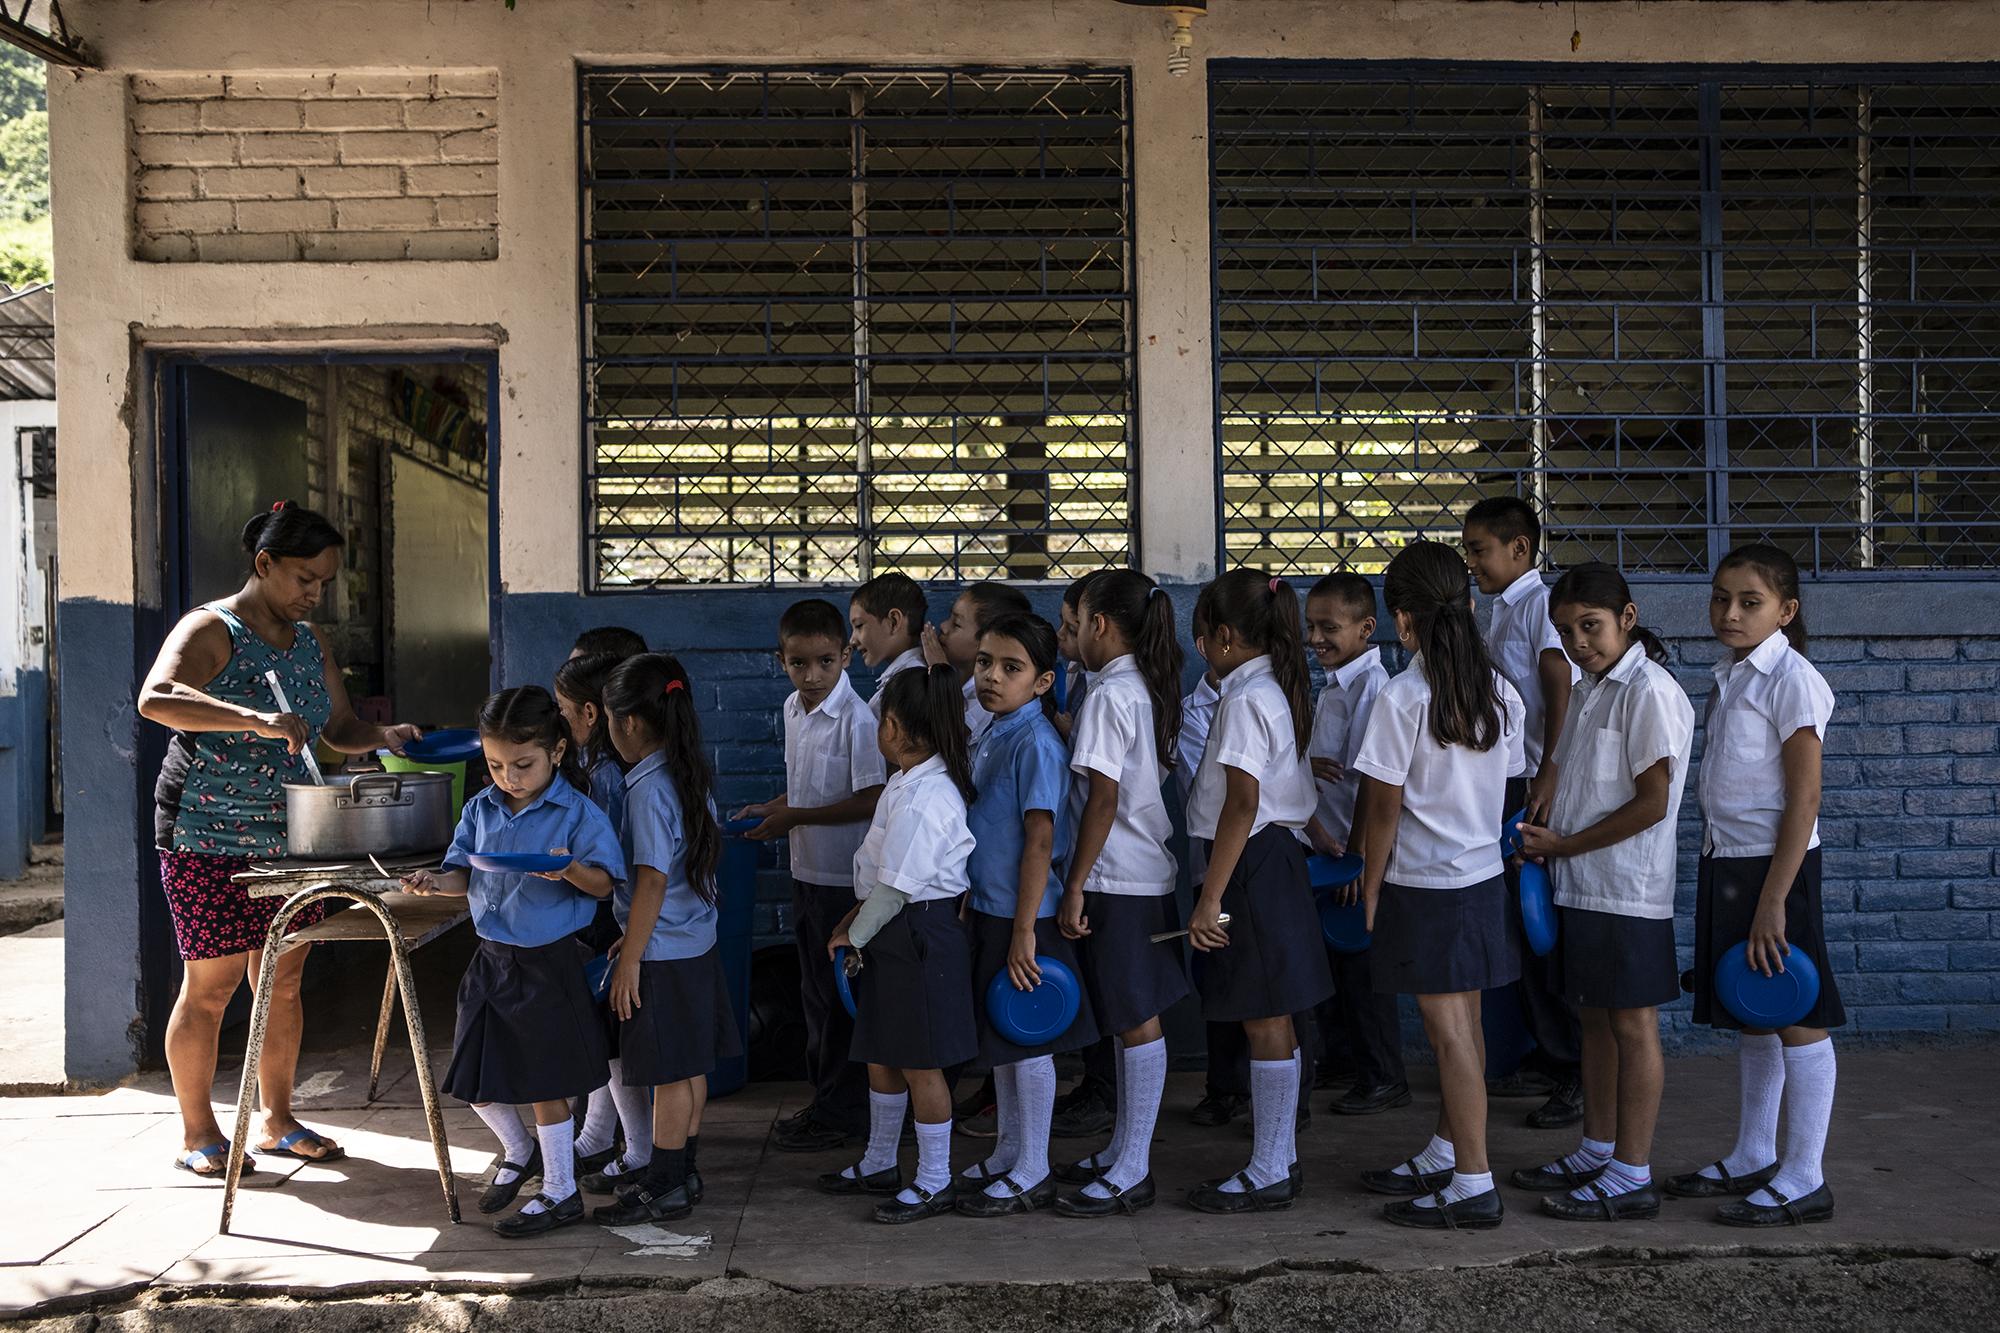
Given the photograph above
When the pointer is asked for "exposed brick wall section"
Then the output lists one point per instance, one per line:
(341, 166)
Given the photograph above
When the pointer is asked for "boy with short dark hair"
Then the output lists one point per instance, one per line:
(1503, 541)
(956, 644)
(614, 639)
(886, 616)
(834, 773)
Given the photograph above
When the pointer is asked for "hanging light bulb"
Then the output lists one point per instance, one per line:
(1182, 13)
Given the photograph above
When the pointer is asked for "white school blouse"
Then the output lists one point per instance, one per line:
(908, 659)
(1516, 637)
(977, 719)
(1619, 725)
(1252, 732)
(1114, 736)
(1340, 719)
(917, 843)
(1449, 834)
(1197, 716)
(1758, 704)
(830, 754)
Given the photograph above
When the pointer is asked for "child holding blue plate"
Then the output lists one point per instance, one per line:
(1609, 844)
(1760, 883)
(528, 1031)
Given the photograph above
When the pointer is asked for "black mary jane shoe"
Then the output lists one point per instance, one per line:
(1127, 1202)
(1210, 1197)
(1218, 1109)
(597, 1182)
(553, 1215)
(645, 1203)
(694, 1186)
(1016, 1201)
(1552, 1176)
(807, 1133)
(1639, 1205)
(592, 1163)
(1814, 1207)
(1370, 1099)
(1695, 1185)
(498, 1196)
(1405, 1184)
(886, 1181)
(1481, 1212)
(894, 1212)
(1082, 1171)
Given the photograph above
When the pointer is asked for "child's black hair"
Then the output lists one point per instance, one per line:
(813, 618)
(929, 705)
(1427, 582)
(616, 640)
(1073, 594)
(1507, 517)
(1779, 570)
(527, 715)
(1601, 586)
(990, 601)
(1354, 593)
(289, 531)
(1038, 637)
(1264, 612)
(1144, 614)
(582, 680)
(654, 688)
(893, 592)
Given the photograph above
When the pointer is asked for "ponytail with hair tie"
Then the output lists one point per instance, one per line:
(1426, 582)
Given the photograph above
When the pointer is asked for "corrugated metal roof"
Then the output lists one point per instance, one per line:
(28, 342)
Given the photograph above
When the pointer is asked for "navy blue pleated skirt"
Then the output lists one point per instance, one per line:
(913, 998)
(1129, 978)
(991, 937)
(528, 1030)
(1725, 904)
(1442, 941)
(684, 1025)
(1275, 965)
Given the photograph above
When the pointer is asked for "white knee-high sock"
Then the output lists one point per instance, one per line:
(1034, 1105)
(516, 1144)
(1274, 1108)
(885, 1132)
(1121, 1133)
(1761, 1065)
(558, 1163)
(1809, 1080)
(1007, 1125)
(599, 1115)
(1142, 1069)
(635, 1116)
(933, 1159)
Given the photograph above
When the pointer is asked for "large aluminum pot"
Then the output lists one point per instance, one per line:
(354, 815)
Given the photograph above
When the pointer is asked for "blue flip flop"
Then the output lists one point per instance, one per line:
(186, 1161)
(284, 1147)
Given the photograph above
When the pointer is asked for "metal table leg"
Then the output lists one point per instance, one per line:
(382, 1028)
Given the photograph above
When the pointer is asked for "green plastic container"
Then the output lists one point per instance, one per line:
(395, 763)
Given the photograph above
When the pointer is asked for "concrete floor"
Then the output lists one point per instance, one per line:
(1912, 1159)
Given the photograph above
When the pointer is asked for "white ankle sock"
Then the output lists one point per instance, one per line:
(1760, 1063)
(1274, 1108)
(1462, 1186)
(885, 1132)
(599, 1115)
(1438, 1155)
(558, 1163)
(1144, 1069)
(516, 1144)
(1035, 1105)
(1006, 1126)
(1809, 1080)
(1592, 1154)
(933, 1159)
(635, 1116)
(1618, 1178)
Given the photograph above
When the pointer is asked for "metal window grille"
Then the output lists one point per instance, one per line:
(37, 448)
(1676, 311)
(839, 322)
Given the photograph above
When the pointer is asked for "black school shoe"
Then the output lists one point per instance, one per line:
(498, 1196)
(1639, 1205)
(1016, 1202)
(553, 1215)
(1127, 1202)
(1555, 1175)
(1080, 1172)
(894, 1212)
(1481, 1212)
(694, 1186)
(1695, 1185)
(1411, 1182)
(882, 1182)
(1563, 1108)
(1218, 1108)
(1814, 1207)
(806, 1132)
(1081, 1114)
(590, 1163)
(645, 1203)
(1521, 1083)
(1210, 1197)
(1370, 1099)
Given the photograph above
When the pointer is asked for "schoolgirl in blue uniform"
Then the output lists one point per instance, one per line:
(1760, 883)
(913, 995)
(667, 988)
(1253, 794)
(1119, 889)
(527, 1028)
(1020, 828)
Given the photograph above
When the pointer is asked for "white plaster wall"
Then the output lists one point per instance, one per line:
(23, 599)
(527, 300)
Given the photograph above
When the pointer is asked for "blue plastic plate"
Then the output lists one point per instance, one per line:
(1758, 1001)
(1332, 872)
(1032, 1017)
(1510, 833)
(597, 972)
(516, 863)
(453, 745)
(740, 825)
(1344, 925)
(1538, 908)
(840, 980)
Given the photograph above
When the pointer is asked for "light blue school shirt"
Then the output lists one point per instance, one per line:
(1021, 764)
(607, 788)
(527, 910)
(655, 835)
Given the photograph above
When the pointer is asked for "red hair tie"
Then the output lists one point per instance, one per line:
(669, 688)
(1274, 586)
(281, 506)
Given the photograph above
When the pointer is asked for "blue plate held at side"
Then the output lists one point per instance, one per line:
(1758, 1001)
(517, 863)
(597, 973)
(1538, 908)
(1510, 833)
(1345, 925)
(740, 825)
(840, 984)
(451, 745)
(1032, 1017)
(1332, 872)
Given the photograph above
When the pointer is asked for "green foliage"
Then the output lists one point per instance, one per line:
(23, 83)
(26, 252)
(24, 165)
(25, 232)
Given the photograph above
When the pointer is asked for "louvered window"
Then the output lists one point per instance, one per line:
(1675, 312)
(844, 322)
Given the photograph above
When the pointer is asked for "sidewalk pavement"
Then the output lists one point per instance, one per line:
(1914, 1160)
